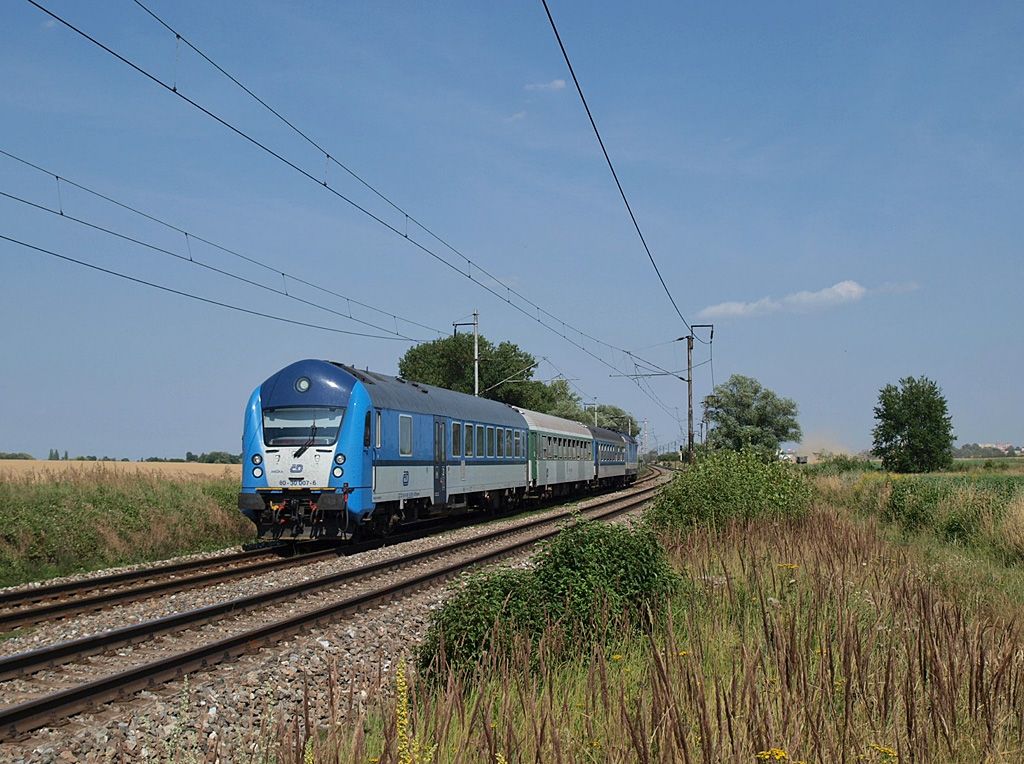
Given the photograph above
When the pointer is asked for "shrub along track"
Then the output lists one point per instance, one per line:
(52, 706)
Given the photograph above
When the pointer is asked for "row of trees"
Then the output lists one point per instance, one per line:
(213, 457)
(913, 430)
(506, 375)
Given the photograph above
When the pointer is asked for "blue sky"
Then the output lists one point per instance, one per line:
(837, 188)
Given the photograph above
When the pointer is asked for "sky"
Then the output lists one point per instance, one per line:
(837, 187)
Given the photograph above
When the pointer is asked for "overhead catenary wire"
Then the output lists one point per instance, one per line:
(611, 166)
(227, 250)
(191, 296)
(192, 261)
(373, 216)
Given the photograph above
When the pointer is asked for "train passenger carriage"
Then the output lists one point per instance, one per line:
(560, 453)
(610, 451)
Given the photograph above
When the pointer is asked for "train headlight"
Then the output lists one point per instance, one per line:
(257, 472)
(302, 384)
(257, 459)
(339, 459)
(337, 472)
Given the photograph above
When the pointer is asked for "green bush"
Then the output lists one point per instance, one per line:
(588, 571)
(724, 485)
(839, 464)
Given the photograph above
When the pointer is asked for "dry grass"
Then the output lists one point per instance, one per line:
(801, 640)
(46, 471)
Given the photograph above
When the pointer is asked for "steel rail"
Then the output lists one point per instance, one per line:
(21, 718)
(15, 618)
(51, 656)
(19, 596)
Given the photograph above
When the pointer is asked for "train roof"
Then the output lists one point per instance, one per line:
(396, 393)
(555, 424)
(611, 436)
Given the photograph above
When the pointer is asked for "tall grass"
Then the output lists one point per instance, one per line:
(98, 518)
(976, 510)
(799, 639)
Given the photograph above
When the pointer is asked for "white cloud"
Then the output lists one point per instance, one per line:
(796, 302)
(553, 85)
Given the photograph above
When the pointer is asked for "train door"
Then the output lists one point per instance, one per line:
(440, 461)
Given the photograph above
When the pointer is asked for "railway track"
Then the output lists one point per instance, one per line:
(455, 557)
(30, 605)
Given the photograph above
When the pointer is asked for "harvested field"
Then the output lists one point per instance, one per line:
(46, 471)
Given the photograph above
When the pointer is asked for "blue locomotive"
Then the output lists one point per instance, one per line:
(330, 451)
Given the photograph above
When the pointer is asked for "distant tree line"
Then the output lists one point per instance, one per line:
(976, 451)
(212, 457)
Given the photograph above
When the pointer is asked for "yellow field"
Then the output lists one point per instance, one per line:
(45, 471)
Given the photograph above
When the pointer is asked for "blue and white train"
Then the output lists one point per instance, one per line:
(330, 451)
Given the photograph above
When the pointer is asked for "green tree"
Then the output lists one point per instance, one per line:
(744, 413)
(448, 363)
(54, 455)
(614, 418)
(914, 432)
(506, 375)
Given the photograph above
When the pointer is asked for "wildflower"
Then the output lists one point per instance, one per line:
(402, 714)
(788, 565)
(617, 657)
(772, 754)
(886, 753)
(683, 653)
(307, 753)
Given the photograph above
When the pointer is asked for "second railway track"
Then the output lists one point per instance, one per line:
(55, 705)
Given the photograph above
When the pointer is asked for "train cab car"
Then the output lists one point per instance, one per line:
(330, 451)
(610, 451)
(561, 457)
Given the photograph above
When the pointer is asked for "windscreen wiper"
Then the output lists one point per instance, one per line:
(307, 444)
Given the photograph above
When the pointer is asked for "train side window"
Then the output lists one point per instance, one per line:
(456, 438)
(404, 435)
(490, 441)
(515, 441)
(366, 431)
(508, 443)
(377, 441)
(481, 448)
(500, 435)
(469, 439)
